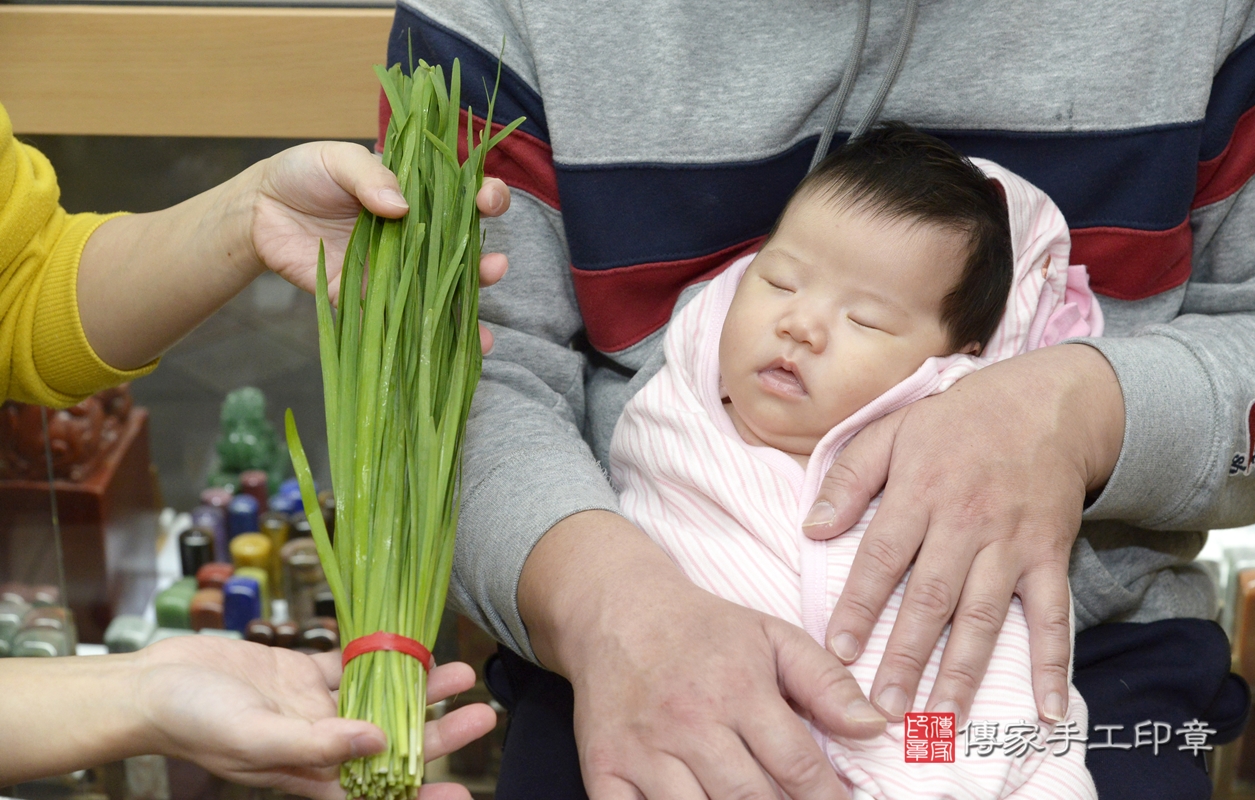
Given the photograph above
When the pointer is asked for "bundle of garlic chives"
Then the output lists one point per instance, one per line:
(400, 361)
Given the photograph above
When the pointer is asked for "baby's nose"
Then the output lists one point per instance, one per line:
(805, 328)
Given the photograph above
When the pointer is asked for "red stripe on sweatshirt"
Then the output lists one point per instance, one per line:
(1129, 264)
(623, 305)
(521, 160)
(1228, 172)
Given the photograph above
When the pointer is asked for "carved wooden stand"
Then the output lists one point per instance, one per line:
(108, 532)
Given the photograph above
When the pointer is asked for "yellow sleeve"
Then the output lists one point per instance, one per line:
(44, 355)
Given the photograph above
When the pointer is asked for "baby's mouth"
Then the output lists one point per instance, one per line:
(781, 377)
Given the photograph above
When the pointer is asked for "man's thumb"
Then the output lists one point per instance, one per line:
(822, 686)
(852, 481)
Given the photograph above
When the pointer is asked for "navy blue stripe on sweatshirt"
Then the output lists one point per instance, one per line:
(1232, 95)
(436, 44)
(619, 215)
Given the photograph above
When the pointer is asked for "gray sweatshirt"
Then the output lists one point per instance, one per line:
(663, 137)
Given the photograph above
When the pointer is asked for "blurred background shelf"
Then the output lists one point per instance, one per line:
(205, 70)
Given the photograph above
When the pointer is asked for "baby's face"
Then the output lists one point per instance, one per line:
(837, 308)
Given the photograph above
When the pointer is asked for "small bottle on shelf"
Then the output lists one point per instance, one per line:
(196, 548)
(261, 632)
(287, 634)
(262, 578)
(255, 483)
(174, 604)
(213, 521)
(327, 503)
(284, 503)
(242, 514)
(213, 575)
(46, 631)
(241, 602)
(321, 634)
(251, 550)
(128, 633)
(302, 577)
(274, 526)
(207, 609)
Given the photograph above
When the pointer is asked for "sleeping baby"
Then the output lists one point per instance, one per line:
(897, 267)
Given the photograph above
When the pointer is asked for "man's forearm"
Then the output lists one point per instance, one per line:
(63, 714)
(145, 281)
(579, 574)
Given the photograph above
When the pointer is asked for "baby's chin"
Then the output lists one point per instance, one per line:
(772, 430)
(799, 445)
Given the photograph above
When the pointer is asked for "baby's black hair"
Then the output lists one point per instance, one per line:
(901, 173)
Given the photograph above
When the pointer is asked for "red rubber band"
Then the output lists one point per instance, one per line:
(382, 640)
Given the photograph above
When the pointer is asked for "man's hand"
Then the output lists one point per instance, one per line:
(679, 694)
(983, 489)
(266, 716)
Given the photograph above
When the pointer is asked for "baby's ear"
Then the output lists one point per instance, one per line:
(971, 349)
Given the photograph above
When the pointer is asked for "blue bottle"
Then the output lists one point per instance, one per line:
(213, 519)
(285, 503)
(241, 603)
(291, 488)
(242, 515)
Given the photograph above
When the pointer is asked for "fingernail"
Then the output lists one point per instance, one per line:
(863, 711)
(497, 202)
(364, 744)
(1056, 707)
(845, 646)
(892, 701)
(393, 197)
(948, 707)
(822, 513)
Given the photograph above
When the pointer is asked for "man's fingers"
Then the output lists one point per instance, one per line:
(978, 619)
(820, 684)
(854, 479)
(725, 768)
(1048, 611)
(493, 199)
(886, 550)
(669, 778)
(365, 177)
(457, 729)
(931, 594)
(604, 786)
(781, 743)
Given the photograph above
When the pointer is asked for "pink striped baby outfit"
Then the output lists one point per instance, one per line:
(729, 514)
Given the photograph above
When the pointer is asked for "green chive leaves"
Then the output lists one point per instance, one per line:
(400, 361)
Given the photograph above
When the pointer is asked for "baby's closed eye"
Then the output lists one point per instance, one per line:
(863, 322)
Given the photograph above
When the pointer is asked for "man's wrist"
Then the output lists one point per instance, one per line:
(1098, 406)
(579, 578)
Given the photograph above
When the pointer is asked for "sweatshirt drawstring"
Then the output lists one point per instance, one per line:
(847, 83)
(851, 70)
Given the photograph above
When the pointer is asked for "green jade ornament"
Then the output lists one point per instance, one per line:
(248, 441)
